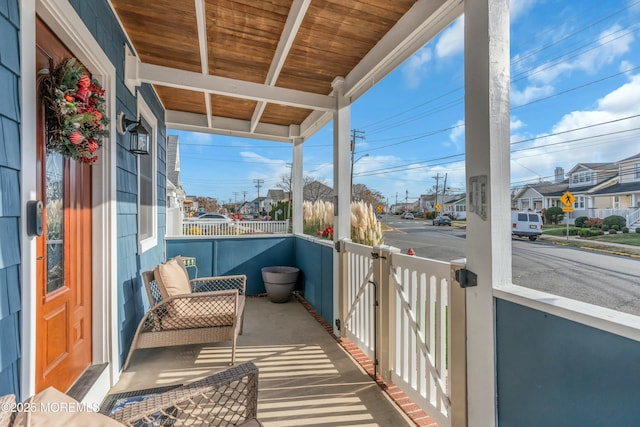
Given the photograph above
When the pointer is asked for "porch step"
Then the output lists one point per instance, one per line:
(83, 385)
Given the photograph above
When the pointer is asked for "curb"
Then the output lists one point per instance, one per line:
(605, 249)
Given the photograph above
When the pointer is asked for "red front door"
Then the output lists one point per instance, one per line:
(63, 266)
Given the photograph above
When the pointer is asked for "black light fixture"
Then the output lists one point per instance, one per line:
(138, 135)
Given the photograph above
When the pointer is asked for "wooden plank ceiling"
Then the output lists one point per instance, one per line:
(264, 69)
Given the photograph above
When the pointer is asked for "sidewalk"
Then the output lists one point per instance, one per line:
(608, 247)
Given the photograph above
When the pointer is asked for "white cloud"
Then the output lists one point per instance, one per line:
(517, 8)
(516, 124)
(269, 169)
(456, 136)
(602, 143)
(451, 41)
(611, 44)
(416, 67)
(528, 94)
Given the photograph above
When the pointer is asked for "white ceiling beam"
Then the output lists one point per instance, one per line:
(230, 127)
(189, 80)
(417, 27)
(201, 22)
(292, 25)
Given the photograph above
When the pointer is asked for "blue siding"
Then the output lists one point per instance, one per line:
(10, 299)
(552, 372)
(220, 256)
(217, 257)
(100, 20)
(316, 262)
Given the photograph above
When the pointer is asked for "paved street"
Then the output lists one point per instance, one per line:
(603, 279)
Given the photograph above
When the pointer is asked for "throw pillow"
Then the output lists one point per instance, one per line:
(171, 279)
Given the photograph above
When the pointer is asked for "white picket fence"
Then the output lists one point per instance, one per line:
(396, 308)
(194, 228)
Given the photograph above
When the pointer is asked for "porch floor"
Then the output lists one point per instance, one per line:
(306, 377)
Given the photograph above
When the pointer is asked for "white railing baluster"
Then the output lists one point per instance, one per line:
(194, 228)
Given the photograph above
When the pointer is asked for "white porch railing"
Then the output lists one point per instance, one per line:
(191, 227)
(633, 218)
(398, 310)
(603, 213)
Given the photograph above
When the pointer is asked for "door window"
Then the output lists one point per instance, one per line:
(55, 220)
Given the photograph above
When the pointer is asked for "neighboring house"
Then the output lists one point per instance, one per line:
(427, 202)
(176, 195)
(257, 205)
(275, 196)
(456, 207)
(316, 190)
(600, 189)
(245, 208)
(405, 207)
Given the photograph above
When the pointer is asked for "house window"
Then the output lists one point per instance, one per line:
(579, 203)
(636, 171)
(583, 178)
(147, 183)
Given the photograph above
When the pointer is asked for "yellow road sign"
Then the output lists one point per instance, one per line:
(567, 209)
(438, 207)
(567, 199)
(380, 208)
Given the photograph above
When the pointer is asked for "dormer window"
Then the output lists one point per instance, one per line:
(583, 178)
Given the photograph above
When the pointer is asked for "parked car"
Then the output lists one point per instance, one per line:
(214, 217)
(442, 220)
(526, 224)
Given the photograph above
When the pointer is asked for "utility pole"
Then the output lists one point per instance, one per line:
(355, 134)
(444, 188)
(235, 202)
(406, 200)
(396, 206)
(437, 178)
(258, 183)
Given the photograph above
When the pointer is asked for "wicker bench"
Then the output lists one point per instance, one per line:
(226, 398)
(209, 309)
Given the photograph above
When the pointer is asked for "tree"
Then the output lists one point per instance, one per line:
(208, 203)
(317, 190)
(553, 215)
(362, 193)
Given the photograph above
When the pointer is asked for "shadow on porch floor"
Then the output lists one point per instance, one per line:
(306, 378)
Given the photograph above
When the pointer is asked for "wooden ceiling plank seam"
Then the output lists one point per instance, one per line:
(172, 77)
(201, 23)
(295, 17)
(410, 33)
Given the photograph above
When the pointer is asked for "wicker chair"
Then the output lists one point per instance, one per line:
(212, 312)
(227, 398)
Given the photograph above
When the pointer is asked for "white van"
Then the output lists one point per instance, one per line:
(526, 224)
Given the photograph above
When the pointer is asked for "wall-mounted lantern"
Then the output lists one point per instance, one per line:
(138, 135)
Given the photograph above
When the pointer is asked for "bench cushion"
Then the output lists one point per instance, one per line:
(171, 279)
(64, 411)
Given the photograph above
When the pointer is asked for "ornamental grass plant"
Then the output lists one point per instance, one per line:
(365, 227)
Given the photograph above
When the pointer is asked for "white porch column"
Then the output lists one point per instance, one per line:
(341, 180)
(487, 75)
(296, 197)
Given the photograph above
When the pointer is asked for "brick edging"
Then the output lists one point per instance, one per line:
(404, 402)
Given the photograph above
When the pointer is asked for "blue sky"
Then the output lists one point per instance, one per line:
(575, 97)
